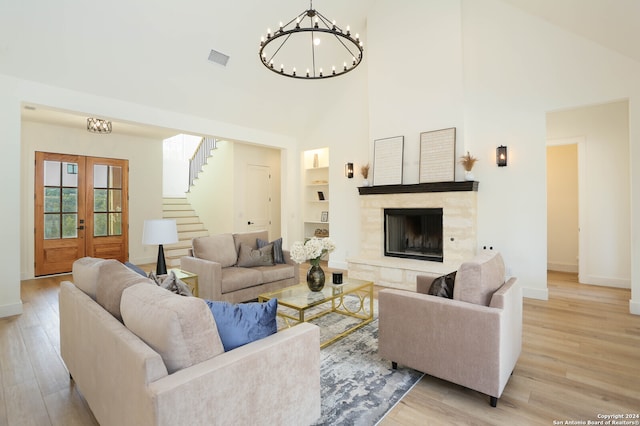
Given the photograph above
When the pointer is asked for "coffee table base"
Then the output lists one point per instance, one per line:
(301, 300)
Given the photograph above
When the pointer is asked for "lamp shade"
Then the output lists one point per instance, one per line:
(159, 231)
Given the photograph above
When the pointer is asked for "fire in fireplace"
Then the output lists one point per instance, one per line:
(413, 233)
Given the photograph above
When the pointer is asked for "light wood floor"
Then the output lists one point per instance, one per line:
(580, 358)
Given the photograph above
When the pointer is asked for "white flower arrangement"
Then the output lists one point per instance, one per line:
(312, 250)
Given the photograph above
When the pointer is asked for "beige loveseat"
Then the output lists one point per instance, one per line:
(165, 364)
(473, 340)
(215, 259)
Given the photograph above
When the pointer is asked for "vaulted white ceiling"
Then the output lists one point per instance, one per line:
(155, 53)
(614, 24)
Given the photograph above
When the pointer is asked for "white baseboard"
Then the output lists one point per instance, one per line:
(634, 307)
(535, 293)
(11, 310)
(605, 281)
(562, 267)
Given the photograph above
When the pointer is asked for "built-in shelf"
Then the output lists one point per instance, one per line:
(316, 179)
(420, 187)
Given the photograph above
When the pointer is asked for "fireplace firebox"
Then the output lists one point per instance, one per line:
(414, 233)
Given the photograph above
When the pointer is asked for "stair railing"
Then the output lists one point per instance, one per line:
(199, 158)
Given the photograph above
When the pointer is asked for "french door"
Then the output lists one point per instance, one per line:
(81, 209)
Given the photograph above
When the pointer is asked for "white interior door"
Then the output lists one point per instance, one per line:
(258, 198)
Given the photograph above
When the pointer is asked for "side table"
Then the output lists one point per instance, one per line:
(189, 278)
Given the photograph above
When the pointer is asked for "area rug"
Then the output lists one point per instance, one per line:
(357, 386)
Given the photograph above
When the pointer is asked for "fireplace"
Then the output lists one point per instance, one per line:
(459, 204)
(414, 233)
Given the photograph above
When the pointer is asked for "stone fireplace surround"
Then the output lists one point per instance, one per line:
(459, 203)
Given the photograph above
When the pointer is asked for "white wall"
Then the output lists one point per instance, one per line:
(493, 72)
(10, 213)
(415, 74)
(516, 69)
(15, 91)
(145, 188)
(344, 129)
(496, 89)
(177, 151)
(212, 194)
(218, 196)
(562, 208)
(606, 225)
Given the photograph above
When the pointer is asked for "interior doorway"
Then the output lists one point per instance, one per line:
(601, 135)
(563, 205)
(81, 209)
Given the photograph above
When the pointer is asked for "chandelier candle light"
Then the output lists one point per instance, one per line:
(331, 48)
(312, 250)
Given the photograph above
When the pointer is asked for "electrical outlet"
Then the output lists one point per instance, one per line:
(487, 247)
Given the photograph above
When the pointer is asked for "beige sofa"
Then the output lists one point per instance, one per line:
(215, 260)
(473, 340)
(165, 365)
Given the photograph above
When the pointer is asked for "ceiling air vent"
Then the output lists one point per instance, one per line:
(218, 58)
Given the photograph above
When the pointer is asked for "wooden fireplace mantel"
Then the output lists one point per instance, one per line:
(420, 187)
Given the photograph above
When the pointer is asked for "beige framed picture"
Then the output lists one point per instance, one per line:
(387, 161)
(438, 155)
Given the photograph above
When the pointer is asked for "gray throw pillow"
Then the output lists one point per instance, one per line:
(172, 283)
(443, 286)
(278, 255)
(248, 257)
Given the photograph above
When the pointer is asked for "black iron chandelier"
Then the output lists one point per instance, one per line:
(310, 47)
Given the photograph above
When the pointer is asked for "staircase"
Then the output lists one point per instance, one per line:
(189, 227)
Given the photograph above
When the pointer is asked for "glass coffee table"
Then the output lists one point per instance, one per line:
(297, 304)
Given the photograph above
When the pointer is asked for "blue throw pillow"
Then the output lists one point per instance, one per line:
(245, 322)
(135, 268)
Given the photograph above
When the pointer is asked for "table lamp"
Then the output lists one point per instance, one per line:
(159, 232)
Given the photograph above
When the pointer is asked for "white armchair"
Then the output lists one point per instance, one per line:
(473, 340)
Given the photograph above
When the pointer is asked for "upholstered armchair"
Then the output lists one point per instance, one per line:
(473, 340)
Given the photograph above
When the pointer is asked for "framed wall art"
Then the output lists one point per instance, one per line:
(438, 155)
(387, 161)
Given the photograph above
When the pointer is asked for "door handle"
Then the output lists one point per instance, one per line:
(250, 223)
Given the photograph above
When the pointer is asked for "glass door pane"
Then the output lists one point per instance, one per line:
(107, 200)
(60, 200)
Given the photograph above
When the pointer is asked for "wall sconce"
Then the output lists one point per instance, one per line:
(348, 170)
(501, 156)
